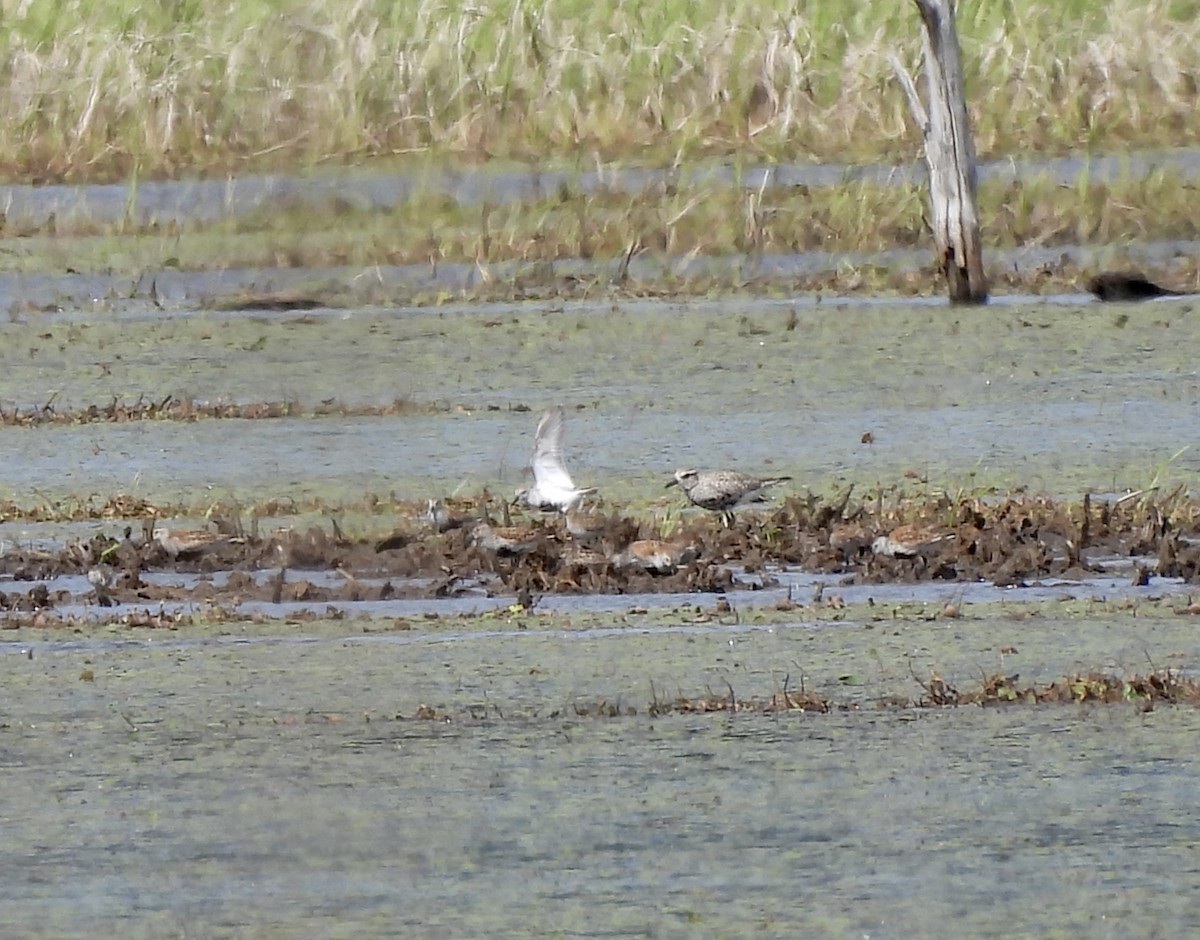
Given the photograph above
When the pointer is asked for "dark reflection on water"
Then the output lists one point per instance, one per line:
(165, 293)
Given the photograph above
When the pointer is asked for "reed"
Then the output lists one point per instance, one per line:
(97, 89)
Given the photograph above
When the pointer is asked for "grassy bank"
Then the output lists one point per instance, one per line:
(656, 225)
(94, 90)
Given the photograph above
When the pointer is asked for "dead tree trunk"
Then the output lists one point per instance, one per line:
(949, 153)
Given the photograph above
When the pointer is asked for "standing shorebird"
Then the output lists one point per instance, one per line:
(655, 555)
(176, 542)
(442, 519)
(507, 541)
(552, 487)
(722, 490)
(584, 526)
(912, 541)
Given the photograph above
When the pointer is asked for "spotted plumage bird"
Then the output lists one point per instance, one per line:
(722, 490)
(655, 555)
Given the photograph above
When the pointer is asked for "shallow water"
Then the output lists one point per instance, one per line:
(148, 292)
(752, 604)
(270, 789)
(242, 780)
(1057, 399)
(183, 200)
(138, 281)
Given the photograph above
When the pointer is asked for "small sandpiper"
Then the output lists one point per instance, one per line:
(655, 555)
(723, 490)
(441, 517)
(849, 539)
(585, 526)
(911, 541)
(176, 542)
(507, 540)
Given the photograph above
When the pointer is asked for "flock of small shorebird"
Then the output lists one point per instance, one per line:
(553, 490)
(719, 491)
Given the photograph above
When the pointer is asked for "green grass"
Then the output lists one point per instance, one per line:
(685, 220)
(104, 89)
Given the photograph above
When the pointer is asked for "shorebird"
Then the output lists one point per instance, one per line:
(655, 556)
(585, 527)
(176, 542)
(441, 517)
(552, 487)
(911, 541)
(849, 539)
(722, 490)
(506, 540)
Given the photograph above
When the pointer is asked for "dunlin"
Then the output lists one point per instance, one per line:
(552, 487)
(585, 527)
(722, 490)
(655, 555)
(911, 541)
(176, 542)
(507, 540)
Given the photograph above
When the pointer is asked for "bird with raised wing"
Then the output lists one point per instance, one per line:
(552, 487)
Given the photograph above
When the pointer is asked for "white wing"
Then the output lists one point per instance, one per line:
(549, 471)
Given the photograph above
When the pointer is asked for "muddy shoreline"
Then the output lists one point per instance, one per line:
(1007, 543)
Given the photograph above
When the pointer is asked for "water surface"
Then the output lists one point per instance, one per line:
(274, 789)
(1058, 399)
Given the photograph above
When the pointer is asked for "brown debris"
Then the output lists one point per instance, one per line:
(1167, 686)
(1010, 541)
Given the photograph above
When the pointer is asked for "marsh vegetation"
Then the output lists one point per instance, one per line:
(342, 86)
(94, 90)
(300, 708)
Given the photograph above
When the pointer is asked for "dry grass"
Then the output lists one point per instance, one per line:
(95, 88)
